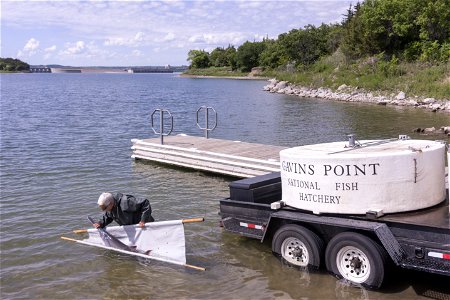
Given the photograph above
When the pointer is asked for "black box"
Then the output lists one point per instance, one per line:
(259, 189)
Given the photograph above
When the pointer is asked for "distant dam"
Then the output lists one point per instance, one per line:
(139, 69)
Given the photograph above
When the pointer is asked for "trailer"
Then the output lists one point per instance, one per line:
(361, 248)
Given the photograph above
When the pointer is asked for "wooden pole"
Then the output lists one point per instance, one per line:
(195, 267)
(185, 265)
(68, 239)
(193, 220)
(184, 221)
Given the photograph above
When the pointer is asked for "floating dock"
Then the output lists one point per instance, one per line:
(233, 158)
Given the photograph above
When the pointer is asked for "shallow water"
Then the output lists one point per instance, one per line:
(65, 138)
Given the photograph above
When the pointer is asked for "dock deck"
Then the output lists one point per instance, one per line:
(234, 158)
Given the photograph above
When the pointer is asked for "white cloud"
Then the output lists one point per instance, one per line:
(224, 38)
(49, 52)
(139, 37)
(115, 42)
(169, 37)
(197, 39)
(31, 45)
(74, 48)
(83, 53)
(30, 48)
(130, 42)
(50, 49)
(136, 53)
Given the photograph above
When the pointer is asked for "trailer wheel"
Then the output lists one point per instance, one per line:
(356, 258)
(298, 246)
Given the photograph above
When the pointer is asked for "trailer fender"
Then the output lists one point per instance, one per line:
(390, 243)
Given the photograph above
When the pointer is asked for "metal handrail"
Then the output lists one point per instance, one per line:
(206, 128)
(161, 123)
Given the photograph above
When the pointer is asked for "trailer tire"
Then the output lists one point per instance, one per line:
(357, 258)
(298, 246)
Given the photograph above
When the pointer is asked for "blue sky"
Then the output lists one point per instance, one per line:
(131, 33)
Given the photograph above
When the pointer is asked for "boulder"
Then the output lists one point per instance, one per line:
(429, 100)
(413, 103)
(445, 129)
(435, 106)
(342, 87)
(280, 85)
(400, 96)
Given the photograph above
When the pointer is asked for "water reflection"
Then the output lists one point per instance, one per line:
(347, 290)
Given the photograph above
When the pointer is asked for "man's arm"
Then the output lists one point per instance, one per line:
(146, 210)
(106, 219)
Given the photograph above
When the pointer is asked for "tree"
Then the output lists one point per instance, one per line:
(410, 28)
(434, 21)
(353, 40)
(305, 46)
(231, 55)
(11, 64)
(389, 25)
(199, 59)
(248, 54)
(218, 57)
(273, 55)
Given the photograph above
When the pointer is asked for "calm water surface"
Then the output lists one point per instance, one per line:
(65, 138)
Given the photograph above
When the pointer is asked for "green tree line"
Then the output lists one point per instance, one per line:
(389, 30)
(13, 65)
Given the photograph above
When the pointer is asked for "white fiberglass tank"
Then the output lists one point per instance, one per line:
(385, 176)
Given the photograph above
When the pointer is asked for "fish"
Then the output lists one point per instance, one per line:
(112, 241)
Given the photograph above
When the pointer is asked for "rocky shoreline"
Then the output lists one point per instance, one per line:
(354, 94)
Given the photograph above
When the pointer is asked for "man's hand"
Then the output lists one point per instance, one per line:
(141, 224)
(96, 225)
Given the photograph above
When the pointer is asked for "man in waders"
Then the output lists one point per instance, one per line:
(124, 209)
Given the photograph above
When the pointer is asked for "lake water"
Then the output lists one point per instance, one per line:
(65, 138)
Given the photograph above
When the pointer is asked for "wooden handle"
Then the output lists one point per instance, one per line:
(193, 220)
(186, 265)
(68, 239)
(195, 267)
(184, 221)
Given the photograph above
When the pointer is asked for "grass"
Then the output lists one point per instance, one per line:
(415, 79)
(215, 71)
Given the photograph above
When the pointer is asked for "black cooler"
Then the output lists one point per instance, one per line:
(259, 189)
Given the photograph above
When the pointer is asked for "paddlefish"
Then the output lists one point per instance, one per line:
(113, 242)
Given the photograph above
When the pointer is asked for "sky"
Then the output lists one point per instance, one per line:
(144, 33)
